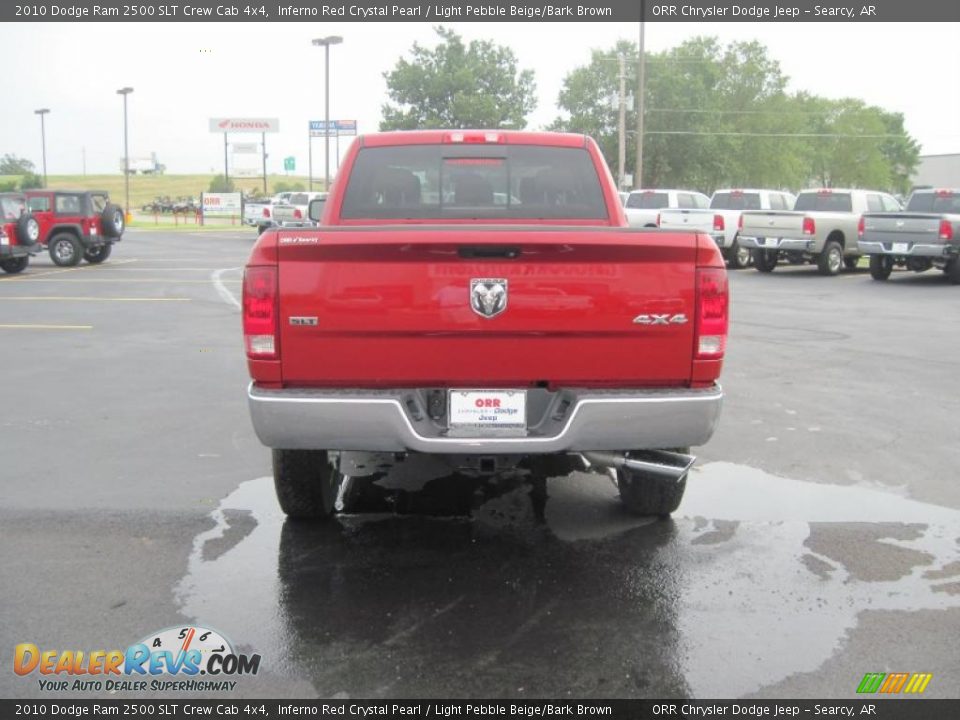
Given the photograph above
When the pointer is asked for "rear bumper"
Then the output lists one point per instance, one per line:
(908, 249)
(785, 244)
(15, 251)
(570, 420)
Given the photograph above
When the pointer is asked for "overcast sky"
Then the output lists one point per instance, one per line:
(183, 74)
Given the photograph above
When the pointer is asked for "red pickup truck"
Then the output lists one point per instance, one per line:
(479, 296)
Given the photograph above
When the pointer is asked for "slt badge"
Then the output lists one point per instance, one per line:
(488, 296)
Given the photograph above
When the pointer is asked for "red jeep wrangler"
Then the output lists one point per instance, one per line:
(19, 231)
(76, 224)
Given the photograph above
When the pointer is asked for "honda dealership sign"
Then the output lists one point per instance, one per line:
(261, 125)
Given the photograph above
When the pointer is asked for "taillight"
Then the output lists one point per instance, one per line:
(740, 222)
(713, 302)
(266, 212)
(809, 227)
(860, 227)
(946, 230)
(260, 310)
(297, 214)
(658, 219)
(718, 222)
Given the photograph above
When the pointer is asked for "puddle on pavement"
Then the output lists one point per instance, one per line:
(755, 579)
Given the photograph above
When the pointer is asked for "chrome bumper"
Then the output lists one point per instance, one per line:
(786, 244)
(572, 420)
(911, 250)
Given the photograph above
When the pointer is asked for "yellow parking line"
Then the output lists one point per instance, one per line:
(46, 327)
(79, 298)
(21, 278)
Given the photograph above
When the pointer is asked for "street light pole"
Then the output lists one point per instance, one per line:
(43, 140)
(126, 153)
(326, 42)
(641, 86)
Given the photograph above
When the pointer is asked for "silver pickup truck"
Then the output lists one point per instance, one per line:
(295, 211)
(822, 229)
(722, 220)
(925, 235)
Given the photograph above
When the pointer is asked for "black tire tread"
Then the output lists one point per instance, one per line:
(305, 483)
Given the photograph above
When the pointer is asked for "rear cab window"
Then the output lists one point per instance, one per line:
(11, 208)
(942, 201)
(824, 201)
(736, 200)
(648, 200)
(483, 182)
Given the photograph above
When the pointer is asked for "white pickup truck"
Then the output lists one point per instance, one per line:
(721, 220)
(643, 206)
(258, 213)
(295, 210)
(822, 229)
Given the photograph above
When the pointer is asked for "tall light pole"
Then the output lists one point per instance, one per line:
(641, 86)
(326, 42)
(126, 153)
(43, 141)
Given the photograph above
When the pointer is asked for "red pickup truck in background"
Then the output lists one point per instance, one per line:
(479, 296)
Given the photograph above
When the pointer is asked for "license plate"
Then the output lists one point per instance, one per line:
(488, 409)
(901, 247)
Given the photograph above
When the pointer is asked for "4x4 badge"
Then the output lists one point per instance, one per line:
(668, 319)
(488, 296)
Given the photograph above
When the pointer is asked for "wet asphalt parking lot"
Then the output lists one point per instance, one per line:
(819, 538)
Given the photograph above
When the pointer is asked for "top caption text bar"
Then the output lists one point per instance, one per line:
(483, 11)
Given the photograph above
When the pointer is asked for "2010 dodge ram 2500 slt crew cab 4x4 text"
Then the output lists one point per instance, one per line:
(478, 296)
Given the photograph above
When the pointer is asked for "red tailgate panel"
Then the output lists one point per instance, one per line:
(393, 308)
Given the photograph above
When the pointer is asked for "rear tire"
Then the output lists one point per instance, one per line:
(15, 265)
(764, 260)
(647, 494)
(306, 483)
(740, 257)
(880, 267)
(65, 250)
(830, 260)
(953, 271)
(98, 254)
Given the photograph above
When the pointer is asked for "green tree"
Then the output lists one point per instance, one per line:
(219, 184)
(458, 86)
(721, 116)
(12, 165)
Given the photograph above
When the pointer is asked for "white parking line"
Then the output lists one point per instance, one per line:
(222, 290)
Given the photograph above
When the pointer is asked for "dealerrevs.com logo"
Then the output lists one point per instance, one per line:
(181, 659)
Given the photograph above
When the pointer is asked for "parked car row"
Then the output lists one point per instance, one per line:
(167, 204)
(831, 228)
(284, 209)
(72, 225)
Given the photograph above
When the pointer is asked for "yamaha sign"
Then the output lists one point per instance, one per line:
(260, 125)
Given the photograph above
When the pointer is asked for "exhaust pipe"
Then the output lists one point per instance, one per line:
(664, 463)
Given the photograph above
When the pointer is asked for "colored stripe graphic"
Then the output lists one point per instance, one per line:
(871, 682)
(893, 683)
(918, 683)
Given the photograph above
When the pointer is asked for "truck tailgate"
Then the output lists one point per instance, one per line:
(392, 307)
(901, 227)
(695, 220)
(772, 223)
